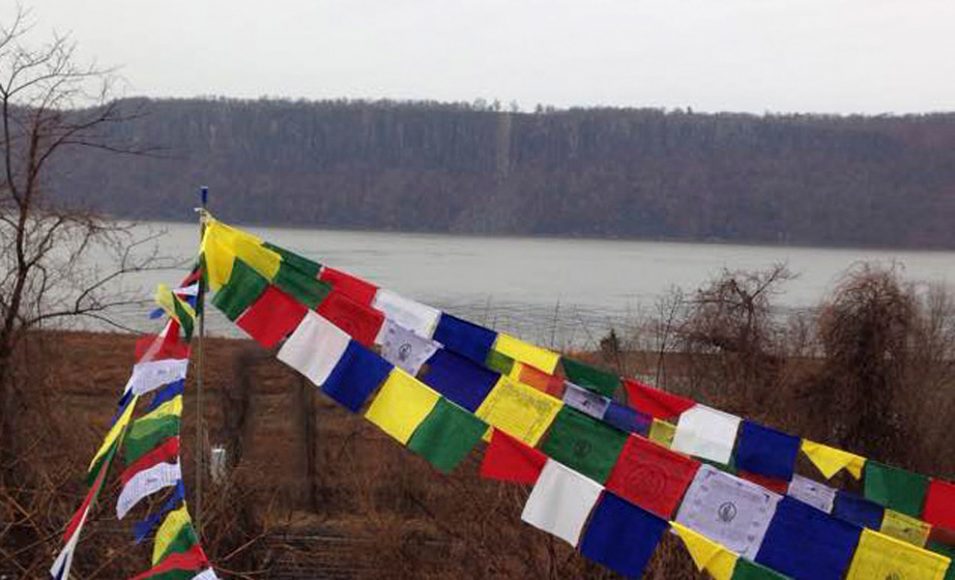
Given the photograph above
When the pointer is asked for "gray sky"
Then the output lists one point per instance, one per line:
(841, 56)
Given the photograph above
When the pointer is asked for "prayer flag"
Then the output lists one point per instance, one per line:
(111, 438)
(401, 405)
(146, 483)
(895, 488)
(221, 244)
(144, 528)
(344, 283)
(169, 530)
(519, 410)
(459, 379)
(730, 511)
(662, 433)
(830, 460)
(181, 542)
(244, 287)
(746, 570)
(166, 394)
(465, 338)
(526, 353)
(447, 435)
(149, 376)
(314, 348)
(880, 556)
(651, 476)
(145, 434)
(305, 288)
(168, 451)
(509, 459)
(707, 433)
(707, 554)
(940, 504)
(590, 377)
(584, 444)
(560, 502)
(654, 402)
(272, 317)
(905, 528)
(177, 309)
(360, 321)
(162, 346)
(192, 560)
(416, 317)
(803, 542)
(858, 510)
(300, 263)
(627, 419)
(403, 348)
(356, 376)
(818, 495)
(766, 451)
(587, 402)
(779, 486)
(621, 536)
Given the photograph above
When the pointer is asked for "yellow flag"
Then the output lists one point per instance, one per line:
(539, 358)
(221, 244)
(401, 405)
(166, 299)
(662, 432)
(906, 528)
(519, 410)
(707, 554)
(879, 556)
(115, 431)
(171, 407)
(170, 528)
(830, 460)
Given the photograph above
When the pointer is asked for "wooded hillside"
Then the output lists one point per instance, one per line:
(887, 181)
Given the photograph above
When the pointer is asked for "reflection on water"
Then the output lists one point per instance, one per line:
(557, 292)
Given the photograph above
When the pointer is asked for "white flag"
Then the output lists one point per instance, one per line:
(146, 483)
(207, 574)
(314, 348)
(587, 402)
(149, 376)
(403, 348)
(561, 501)
(728, 510)
(812, 492)
(419, 318)
(707, 433)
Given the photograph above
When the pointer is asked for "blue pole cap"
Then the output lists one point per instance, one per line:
(204, 192)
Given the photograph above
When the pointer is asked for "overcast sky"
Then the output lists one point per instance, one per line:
(841, 56)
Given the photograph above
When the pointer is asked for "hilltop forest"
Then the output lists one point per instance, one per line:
(476, 168)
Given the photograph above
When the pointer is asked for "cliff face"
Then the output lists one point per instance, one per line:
(585, 172)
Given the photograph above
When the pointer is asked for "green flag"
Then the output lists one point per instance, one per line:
(584, 444)
(145, 435)
(447, 435)
(244, 287)
(897, 489)
(589, 377)
(746, 570)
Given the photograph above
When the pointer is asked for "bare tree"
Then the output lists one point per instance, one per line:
(51, 104)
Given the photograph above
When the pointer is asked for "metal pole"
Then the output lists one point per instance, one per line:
(201, 307)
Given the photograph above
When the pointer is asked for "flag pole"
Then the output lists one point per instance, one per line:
(201, 308)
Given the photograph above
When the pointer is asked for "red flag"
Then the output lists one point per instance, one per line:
(940, 504)
(155, 347)
(272, 317)
(361, 322)
(168, 452)
(655, 402)
(355, 288)
(651, 476)
(508, 459)
(192, 559)
(780, 486)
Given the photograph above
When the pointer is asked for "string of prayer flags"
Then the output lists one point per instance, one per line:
(526, 353)
(587, 402)
(447, 435)
(459, 379)
(359, 321)
(416, 317)
(706, 433)
(243, 288)
(584, 444)
(858, 510)
(818, 495)
(880, 556)
(895, 488)
(708, 556)
(728, 510)
(153, 471)
(356, 376)
(905, 528)
(314, 348)
(654, 402)
(627, 419)
(831, 461)
(465, 338)
(519, 410)
(766, 451)
(561, 502)
(940, 504)
(651, 476)
(621, 536)
(803, 542)
(509, 459)
(272, 317)
(590, 377)
(404, 348)
(402, 403)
